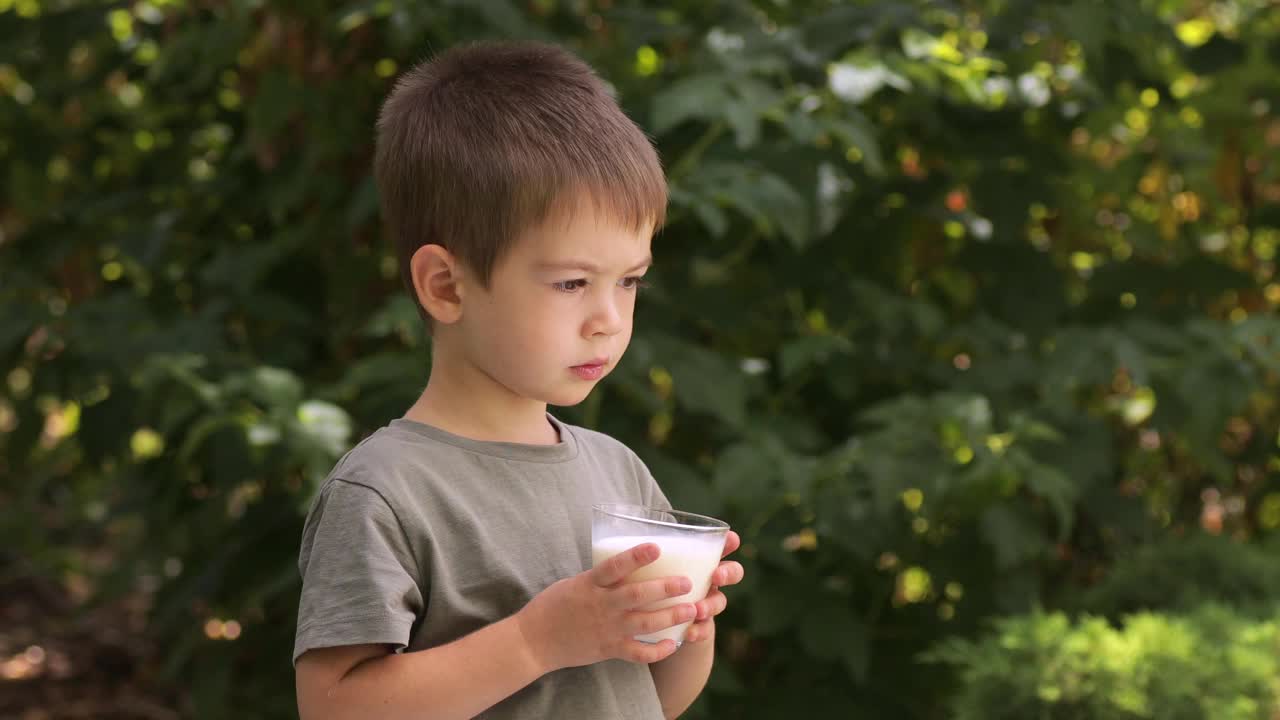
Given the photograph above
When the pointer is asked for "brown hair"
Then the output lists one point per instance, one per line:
(484, 141)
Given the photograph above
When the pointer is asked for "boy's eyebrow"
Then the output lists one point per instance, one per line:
(590, 267)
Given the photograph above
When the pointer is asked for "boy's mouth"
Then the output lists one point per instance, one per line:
(592, 370)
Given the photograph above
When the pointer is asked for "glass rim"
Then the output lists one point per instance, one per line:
(625, 511)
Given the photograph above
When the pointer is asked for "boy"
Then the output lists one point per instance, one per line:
(522, 202)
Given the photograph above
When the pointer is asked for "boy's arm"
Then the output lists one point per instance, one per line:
(681, 677)
(590, 617)
(457, 680)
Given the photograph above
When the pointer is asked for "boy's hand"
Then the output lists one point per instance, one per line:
(728, 573)
(592, 616)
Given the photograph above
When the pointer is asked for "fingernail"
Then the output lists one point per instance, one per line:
(685, 585)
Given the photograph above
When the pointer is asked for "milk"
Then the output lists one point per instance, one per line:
(692, 557)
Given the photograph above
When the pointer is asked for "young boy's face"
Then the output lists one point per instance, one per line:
(556, 317)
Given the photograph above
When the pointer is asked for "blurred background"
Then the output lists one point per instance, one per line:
(965, 319)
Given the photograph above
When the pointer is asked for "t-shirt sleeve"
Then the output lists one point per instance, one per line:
(359, 576)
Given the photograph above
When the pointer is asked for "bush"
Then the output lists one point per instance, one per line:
(1183, 573)
(1211, 664)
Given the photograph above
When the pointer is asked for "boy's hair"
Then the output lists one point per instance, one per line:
(485, 141)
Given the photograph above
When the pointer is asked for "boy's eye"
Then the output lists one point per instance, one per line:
(570, 285)
(635, 282)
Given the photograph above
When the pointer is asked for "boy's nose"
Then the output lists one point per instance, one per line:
(606, 320)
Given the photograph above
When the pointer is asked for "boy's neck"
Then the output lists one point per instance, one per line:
(469, 403)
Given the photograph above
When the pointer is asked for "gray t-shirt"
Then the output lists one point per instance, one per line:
(419, 537)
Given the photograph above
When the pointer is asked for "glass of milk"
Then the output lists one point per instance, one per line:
(691, 547)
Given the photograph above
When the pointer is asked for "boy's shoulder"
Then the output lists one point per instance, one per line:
(604, 447)
(598, 441)
(386, 461)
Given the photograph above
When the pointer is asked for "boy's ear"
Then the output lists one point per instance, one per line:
(437, 281)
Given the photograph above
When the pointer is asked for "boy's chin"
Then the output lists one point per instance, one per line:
(569, 398)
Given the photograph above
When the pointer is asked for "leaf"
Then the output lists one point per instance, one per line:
(756, 95)
(770, 202)
(855, 131)
(811, 351)
(398, 316)
(745, 123)
(1011, 534)
(710, 214)
(773, 609)
(204, 429)
(326, 425)
(506, 17)
(724, 680)
(797, 472)
(1054, 486)
(783, 206)
(745, 474)
(831, 631)
(15, 326)
(274, 386)
(713, 218)
(705, 381)
(686, 488)
(363, 207)
(273, 103)
(382, 369)
(695, 97)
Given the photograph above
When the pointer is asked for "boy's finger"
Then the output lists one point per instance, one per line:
(635, 595)
(646, 623)
(697, 632)
(713, 605)
(731, 542)
(643, 652)
(729, 573)
(617, 568)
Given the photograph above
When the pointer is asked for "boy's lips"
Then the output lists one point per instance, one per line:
(590, 370)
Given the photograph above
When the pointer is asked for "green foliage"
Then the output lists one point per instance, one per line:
(1182, 574)
(954, 306)
(1212, 664)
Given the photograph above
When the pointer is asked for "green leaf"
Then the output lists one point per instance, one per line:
(273, 103)
(831, 631)
(275, 386)
(745, 123)
(724, 680)
(744, 473)
(774, 610)
(767, 199)
(706, 381)
(1054, 486)
(694, 97)
(326, 425)
(782, 205)
(856, 132)
(712, 217)
(686, 489)
(811, 351)
(1011, 534)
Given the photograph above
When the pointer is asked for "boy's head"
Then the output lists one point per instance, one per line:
(485, 141)
(496, 162)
